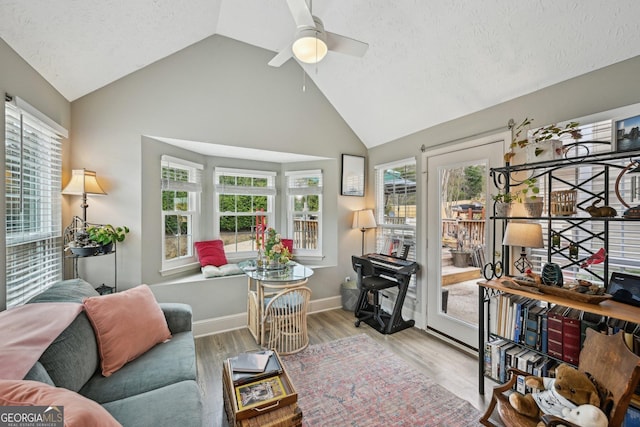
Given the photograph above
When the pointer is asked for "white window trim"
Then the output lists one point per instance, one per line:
(270, 191)
(291, 193)
(188, 262)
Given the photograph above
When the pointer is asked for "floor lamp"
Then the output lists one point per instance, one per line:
(83, 182)
(363, 219)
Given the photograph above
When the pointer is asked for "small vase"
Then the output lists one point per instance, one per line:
(534, 209)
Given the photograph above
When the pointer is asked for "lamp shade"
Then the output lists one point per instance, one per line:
(83, 182)
(363, 219)
(525, 234)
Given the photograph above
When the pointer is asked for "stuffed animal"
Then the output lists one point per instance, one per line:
(569, 389)
(586, 416)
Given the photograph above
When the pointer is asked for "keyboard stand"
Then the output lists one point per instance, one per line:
(392, 322)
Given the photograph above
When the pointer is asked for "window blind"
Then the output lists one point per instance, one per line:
(33, 165)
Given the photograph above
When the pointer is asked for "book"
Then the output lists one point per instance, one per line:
(571, 336)
(273, 368)
(554, 331)
(255, 362)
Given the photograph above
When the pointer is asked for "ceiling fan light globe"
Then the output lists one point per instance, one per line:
(309, 49)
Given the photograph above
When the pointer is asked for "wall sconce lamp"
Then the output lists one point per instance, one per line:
(363, 219)
(83, 182)
(525, 235)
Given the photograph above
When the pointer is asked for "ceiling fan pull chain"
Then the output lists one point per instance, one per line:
(304, 81)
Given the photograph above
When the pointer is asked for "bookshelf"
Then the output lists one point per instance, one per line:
(608, 308)
(590, 178)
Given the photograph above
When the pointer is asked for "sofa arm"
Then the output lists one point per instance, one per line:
(178, 316)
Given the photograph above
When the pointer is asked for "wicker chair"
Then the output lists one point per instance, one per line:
(286, 317)
(610, 363)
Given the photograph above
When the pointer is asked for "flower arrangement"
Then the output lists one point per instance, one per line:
(274, 250)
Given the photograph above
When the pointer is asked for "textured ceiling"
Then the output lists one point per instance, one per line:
(428, 61)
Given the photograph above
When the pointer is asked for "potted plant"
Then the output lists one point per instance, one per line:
(502, 203)
(528, 196)
(106, 235)
(82, 245)
(545, 143)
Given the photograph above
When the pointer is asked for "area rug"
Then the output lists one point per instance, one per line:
(356, 382)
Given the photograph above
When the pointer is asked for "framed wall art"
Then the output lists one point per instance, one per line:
(627, 134)
(352, 175)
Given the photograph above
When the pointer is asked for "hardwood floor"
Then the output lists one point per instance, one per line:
(453, 369)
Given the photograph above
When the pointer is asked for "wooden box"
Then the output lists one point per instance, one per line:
(280, 412)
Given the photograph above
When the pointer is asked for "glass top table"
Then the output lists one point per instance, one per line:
(292, 272)
(268, 282)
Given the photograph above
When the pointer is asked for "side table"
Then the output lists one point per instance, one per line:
(282, 413)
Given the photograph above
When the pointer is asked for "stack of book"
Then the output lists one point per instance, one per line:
(535, 336)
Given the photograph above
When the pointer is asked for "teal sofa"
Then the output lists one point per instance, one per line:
(157, 389)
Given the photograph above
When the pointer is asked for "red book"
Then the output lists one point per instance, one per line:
(571, 334)
(554, 331)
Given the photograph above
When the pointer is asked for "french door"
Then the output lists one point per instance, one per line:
(457, 228)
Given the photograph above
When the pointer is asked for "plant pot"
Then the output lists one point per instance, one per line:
(546, 150)
(502, 209)
(84, 250)
(461, 259)
(106, 249)
(534, 209)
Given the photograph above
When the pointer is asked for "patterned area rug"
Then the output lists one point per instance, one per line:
(356, 382)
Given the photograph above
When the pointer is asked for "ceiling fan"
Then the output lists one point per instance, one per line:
(311, 42)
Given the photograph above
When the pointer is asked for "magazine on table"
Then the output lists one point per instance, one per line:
(271, 368)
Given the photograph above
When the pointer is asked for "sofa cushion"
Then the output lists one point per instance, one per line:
(72, 358)
(78, 411)
(39, 373)
(211, 252)
(164, 364)
(73, 290)
(177, 404)
(179, 316)
(127, 324)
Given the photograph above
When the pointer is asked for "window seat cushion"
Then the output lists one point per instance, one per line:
(209, 271)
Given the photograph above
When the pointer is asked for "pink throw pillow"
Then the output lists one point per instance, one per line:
(127, 324)
(211, 252)
(78, 410)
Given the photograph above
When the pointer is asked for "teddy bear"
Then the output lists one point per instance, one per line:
(586, 416)
(569, 389)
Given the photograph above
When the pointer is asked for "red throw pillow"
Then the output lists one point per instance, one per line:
(288, 243)
(211, 252)
(127, 324)
(78, 410)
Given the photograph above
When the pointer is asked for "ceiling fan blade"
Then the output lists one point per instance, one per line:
(345, 45)
(283, 56)
(301, 14)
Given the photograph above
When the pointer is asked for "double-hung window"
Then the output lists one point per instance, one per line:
(396, 207)
(33, 165)
(304, 193)
(181, 185)
(240, 196)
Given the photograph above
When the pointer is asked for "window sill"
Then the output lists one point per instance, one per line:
(193, 266)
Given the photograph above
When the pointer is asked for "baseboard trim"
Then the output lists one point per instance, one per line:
(217, 325)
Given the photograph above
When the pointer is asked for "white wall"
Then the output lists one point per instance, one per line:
(17, 78)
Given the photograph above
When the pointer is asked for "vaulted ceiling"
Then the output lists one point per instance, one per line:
(428, 61)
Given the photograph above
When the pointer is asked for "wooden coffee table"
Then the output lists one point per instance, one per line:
(279, 411)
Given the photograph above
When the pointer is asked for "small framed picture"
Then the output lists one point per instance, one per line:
(352, 175)
(627, 134)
